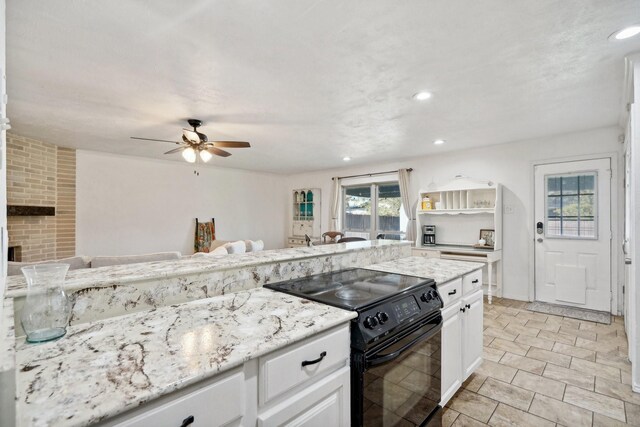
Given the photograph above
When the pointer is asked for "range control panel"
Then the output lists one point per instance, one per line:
(380, 321)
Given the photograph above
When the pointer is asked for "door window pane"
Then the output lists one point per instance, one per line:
(357, 208)
(570, 206)
(389, 208)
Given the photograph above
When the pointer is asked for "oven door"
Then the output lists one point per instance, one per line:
(402, 379)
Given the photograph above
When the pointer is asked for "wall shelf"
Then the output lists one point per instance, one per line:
(460, 209)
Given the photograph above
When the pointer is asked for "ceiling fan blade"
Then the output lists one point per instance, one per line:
(191, 136)
(231, 144)
(159, 140)
(175, 150)
(218, 152)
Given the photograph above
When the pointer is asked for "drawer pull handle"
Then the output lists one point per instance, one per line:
(463, 309)
(313, 362)
(468, 306)
(475, 281)
(453, 292)
(187, 421)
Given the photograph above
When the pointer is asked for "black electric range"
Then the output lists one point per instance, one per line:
(395, 342)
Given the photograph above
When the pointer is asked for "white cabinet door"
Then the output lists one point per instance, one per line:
(324, 403)
(451, 369)
(471, 333)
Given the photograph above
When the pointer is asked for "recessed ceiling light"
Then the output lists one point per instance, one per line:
(422, 96)
(346, 159)
(625, 33)
(438, 141)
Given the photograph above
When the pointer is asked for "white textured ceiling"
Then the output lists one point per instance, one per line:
(307, 81)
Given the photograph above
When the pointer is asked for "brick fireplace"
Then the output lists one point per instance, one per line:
(41, 180)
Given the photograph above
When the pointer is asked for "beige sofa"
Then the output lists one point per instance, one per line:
(218, 247)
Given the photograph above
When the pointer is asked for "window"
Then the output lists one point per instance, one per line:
(571, 206)
(373, 209)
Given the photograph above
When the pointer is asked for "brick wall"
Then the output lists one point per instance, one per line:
(66, 203)
(41, 174)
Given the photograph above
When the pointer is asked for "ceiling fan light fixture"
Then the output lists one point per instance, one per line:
(189, 155)
(205, 155)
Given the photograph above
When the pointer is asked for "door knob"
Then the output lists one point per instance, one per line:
(539, 239)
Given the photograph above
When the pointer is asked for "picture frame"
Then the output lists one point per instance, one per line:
(489, 235)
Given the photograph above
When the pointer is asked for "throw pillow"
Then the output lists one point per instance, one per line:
(238, 247)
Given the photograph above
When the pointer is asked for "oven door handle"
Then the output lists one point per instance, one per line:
(387, 357)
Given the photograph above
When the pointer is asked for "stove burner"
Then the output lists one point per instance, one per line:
(351, 294)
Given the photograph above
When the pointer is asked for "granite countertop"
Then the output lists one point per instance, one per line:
(104, 368)
(453, 248)
(7, 337)
(128, 273)
(440, 270)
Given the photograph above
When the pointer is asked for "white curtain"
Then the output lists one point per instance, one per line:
(335, 204)
(403, 180)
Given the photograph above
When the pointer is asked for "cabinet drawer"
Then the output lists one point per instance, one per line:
(217, 404)
(450, 291)
(472, 281)
(282, 370)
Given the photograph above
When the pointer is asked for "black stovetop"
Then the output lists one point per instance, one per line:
(353, 289)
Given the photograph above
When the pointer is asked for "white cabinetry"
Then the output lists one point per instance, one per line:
(461, 332)
(323, 403)
(451, 349)
(277, 390)
(471, 333)
(305, 216)
(219, 403)
(459, 210)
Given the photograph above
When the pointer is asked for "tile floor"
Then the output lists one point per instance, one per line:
(546, 370)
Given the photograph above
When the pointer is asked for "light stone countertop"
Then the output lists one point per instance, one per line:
(129, 273)
(104, 368)
(440, 270)
(7, 337)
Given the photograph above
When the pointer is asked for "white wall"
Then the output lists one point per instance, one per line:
(509, 164)
(129, 205)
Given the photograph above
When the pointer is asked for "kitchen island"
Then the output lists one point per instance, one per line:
(102, 371)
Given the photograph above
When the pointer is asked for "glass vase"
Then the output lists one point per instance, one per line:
(47, 309)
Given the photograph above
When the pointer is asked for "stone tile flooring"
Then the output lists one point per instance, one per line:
(546, 370)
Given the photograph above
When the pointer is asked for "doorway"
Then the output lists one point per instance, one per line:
(572, 206)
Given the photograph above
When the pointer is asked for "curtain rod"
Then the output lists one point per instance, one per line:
(370, 174)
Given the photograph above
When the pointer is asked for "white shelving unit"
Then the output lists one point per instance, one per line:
(305, 216)
(461, 208)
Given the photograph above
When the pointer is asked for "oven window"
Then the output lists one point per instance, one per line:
(406, 390)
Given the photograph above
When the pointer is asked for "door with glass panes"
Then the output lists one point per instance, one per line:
(373, 210)
(572, 232)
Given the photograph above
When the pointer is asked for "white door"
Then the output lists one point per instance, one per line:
(573, 234)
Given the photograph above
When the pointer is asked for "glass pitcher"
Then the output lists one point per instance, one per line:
(47, 309)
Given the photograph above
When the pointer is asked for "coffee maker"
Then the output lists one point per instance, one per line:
(428, 235)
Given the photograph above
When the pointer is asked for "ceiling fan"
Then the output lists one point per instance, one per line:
(195, 144)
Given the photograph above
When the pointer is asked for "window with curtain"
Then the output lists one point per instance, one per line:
(371, 210)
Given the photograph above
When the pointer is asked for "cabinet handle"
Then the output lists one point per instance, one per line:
(468, 306)
(463, 309)
(187, 421)
(475, 281)
(453, 292)
(313, 362)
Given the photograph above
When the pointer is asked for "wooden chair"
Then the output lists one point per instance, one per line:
(351, 239)
(332, 235)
